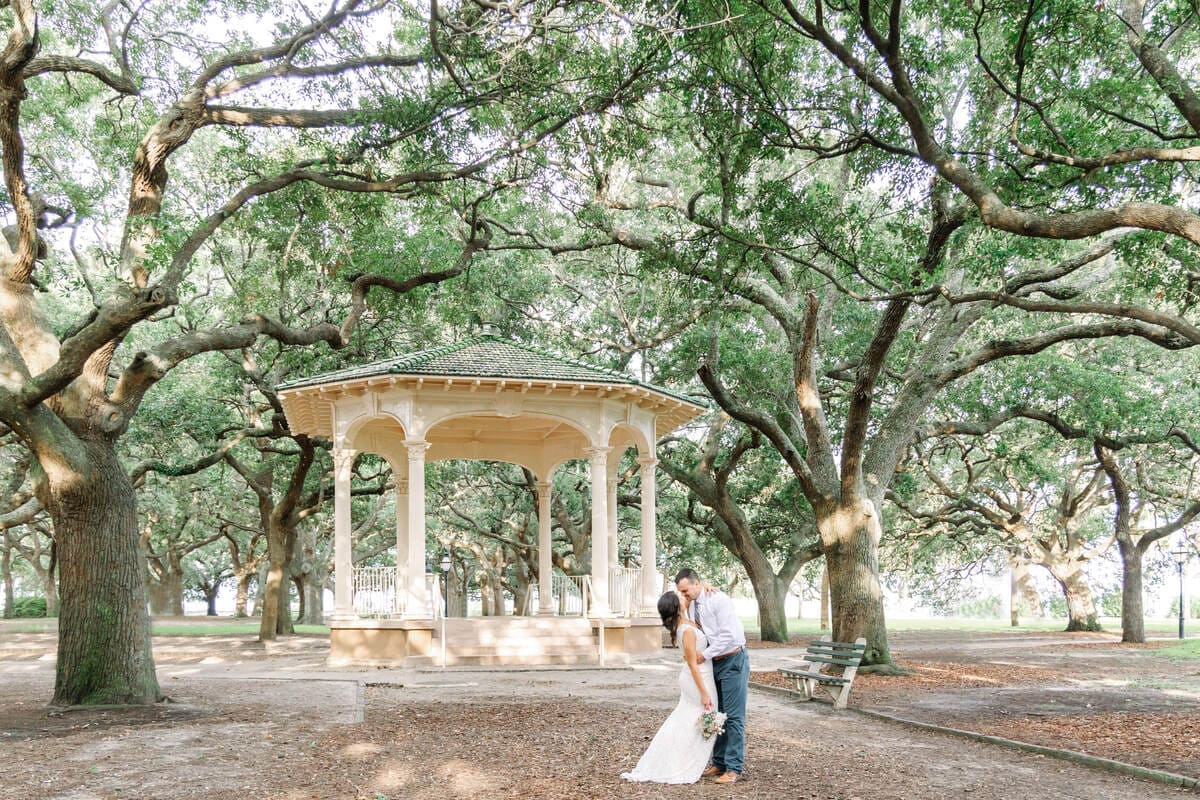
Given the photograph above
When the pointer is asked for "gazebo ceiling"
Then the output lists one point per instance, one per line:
(483, 365)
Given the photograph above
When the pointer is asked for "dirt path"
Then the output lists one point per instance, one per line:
(253, 722)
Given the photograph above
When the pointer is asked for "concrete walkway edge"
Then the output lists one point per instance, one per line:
(1157, 775)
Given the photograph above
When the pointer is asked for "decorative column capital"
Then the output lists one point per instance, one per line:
(647, 462)
(599, 454)
(543, 489)
(416, 449)
(402, 487)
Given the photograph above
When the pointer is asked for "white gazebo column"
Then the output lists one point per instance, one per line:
(599, 461)
(545, 560)
(343, 548)
(401, 542)
(650, 579)
(613, 549)
(416, 595)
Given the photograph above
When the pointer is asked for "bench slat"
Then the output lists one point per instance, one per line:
(819, 677)
(852, 648)
(845, 662)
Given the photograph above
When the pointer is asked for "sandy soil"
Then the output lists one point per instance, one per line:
(249, 721)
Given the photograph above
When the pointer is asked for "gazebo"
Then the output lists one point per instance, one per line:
(489, 398)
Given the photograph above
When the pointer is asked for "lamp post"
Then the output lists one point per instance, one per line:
(446, 581)
(1180, 554)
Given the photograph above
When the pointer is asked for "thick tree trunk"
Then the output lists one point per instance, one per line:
(498, 600)
(275, 597)
(104, 653)
(50, 592)
(312, 601)
(485, 597)
(243, 594)
(771, 596)
(211, 600)
(6, 574)
(298, 582)
(166, 595)
(1023, 595)
(824, 623)
(1133, 623)
(1081, 611)
(850, 540)
(458, 595)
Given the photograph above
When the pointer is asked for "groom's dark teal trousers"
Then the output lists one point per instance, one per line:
(732, 676)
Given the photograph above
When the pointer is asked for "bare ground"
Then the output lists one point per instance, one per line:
(249, 721)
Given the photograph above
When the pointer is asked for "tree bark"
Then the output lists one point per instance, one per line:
(104, 652)
(312, 601)
(243, 593)
(276, 592)
(458, 595)
(1081, 610)
(50, 590)
(1023, 596)
(1133, 625)
(6, 573)
(850, 539)
(824, 615)
(771, 595)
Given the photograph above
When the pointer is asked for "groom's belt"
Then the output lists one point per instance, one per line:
(733, 652)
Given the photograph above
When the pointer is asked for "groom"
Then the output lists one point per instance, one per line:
(713, 612)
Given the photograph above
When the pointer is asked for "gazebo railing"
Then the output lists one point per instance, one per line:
(624, 590)
(570, 593)
(377, 595)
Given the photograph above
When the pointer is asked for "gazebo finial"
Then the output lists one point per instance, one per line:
(489, 328)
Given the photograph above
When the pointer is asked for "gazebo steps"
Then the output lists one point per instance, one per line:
(519, 641)
(542, 659)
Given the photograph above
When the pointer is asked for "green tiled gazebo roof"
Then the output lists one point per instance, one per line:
(486, 356)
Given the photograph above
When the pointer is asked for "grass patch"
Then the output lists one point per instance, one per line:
(30, 626)
(810, 627)
(1186, 649)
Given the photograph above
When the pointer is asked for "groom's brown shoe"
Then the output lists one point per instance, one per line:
(728, 777)
(710, 771)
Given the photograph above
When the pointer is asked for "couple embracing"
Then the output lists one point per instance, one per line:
(712, 685)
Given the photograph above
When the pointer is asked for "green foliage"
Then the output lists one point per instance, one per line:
(1193, 608)
(990, 607)
(29, 607)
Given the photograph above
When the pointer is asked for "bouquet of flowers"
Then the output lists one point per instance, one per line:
(712, 723)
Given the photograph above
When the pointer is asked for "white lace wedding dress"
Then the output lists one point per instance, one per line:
(678, 753)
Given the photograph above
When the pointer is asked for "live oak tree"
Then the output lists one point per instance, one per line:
(1119, 405)
(357, 97)
(1023, 493)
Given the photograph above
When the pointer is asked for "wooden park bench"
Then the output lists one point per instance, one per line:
(807, 675)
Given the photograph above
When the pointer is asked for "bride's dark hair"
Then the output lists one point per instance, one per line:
(668, 609)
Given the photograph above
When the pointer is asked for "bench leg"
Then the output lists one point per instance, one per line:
(806, 688)
(840, 695)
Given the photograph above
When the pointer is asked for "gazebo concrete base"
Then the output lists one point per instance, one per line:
(400, 642)
(492, 641)
(628, 637)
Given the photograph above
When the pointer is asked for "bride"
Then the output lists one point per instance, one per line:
(679, 751)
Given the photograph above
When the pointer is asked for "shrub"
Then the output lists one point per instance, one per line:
(29, 607)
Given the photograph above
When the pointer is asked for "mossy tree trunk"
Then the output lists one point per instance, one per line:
(104, 651)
